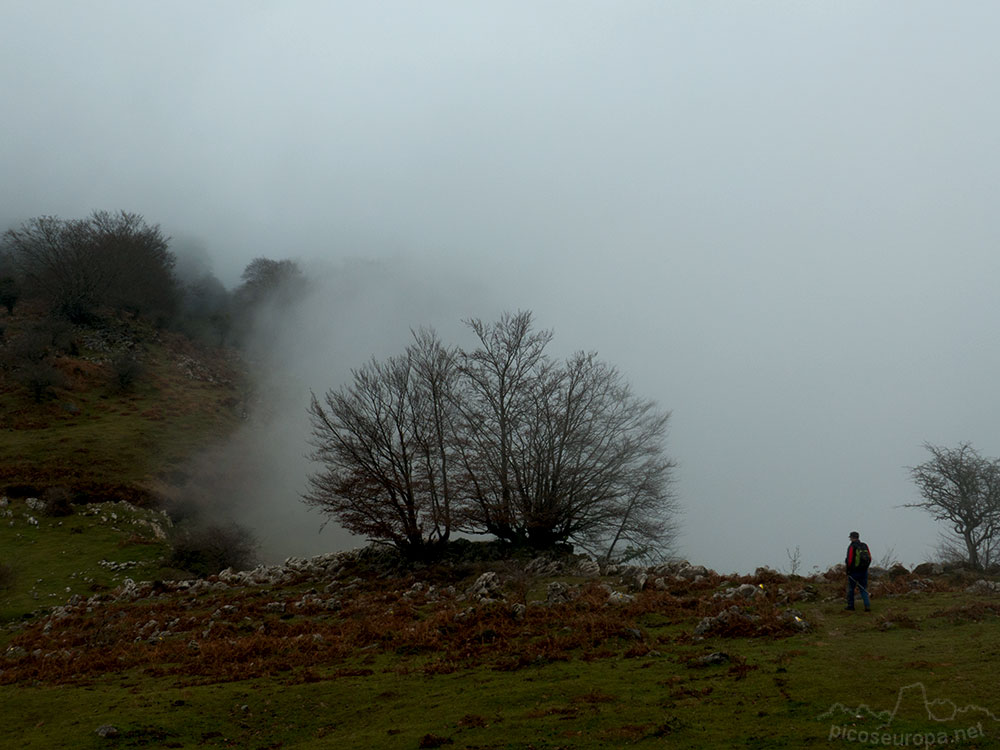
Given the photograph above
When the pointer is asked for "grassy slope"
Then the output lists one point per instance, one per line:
(100, 442)
(89, 551)
(92, 437)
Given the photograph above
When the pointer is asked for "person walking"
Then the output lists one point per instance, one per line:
(859, 557)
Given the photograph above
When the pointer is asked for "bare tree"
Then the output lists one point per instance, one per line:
(387, 449)
(57, 261)
(500, 440)
(962, 488)
(794, 560)
(10, 287)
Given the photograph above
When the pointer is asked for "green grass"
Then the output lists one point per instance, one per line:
(654, 701)
(90, 436)
(773, 692)
(61, 557)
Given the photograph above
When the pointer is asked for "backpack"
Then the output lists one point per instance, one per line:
(862, 556)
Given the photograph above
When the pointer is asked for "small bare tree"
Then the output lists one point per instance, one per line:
(962, 488)
(794, 560)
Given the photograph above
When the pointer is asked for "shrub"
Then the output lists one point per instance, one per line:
(126, 369)
(41, 379)
(7, 576)
(57, 501)
(207, 550)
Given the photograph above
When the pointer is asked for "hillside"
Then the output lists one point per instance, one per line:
(349, 650)
(129, 405)
(99, 450)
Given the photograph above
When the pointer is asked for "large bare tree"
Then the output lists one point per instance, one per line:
(962, 488)
(499, 440)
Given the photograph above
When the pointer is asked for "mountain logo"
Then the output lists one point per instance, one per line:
(913, 704)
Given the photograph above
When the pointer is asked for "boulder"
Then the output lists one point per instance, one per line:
(897, 571)
(794, 618)
(544, 567)
(107, 731)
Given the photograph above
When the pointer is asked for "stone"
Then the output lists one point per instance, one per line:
(743, 591)
(618, 597)
(557, 592)
(982, 586)
(588, 569)
(107, 731)
(710, 660)
(897, 571)
(794, 618)
(487, 586)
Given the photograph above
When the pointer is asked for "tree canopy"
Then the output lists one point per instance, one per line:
(108, 260)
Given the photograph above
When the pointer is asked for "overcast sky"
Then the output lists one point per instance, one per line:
(778, 219)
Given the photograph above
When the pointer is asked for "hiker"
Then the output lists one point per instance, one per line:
(859, 557)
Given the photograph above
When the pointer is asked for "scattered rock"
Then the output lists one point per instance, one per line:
(726, 618)
(557, 592)
(710, 660)
(588, 569)
(743, 591)
(486, 588)
(107, 731)
(982, 586)
(618, 597)
(807, 593)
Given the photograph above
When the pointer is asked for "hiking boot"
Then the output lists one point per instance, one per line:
(868, 609)
(848, 609)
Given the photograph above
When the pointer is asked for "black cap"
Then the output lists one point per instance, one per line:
(855, 535)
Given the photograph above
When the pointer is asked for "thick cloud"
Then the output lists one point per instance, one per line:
(777, 219)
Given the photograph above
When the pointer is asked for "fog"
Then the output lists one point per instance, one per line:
(777, 219)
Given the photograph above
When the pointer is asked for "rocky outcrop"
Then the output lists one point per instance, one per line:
(982, 586)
